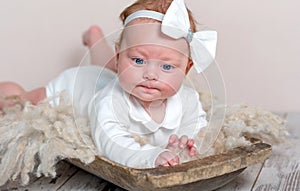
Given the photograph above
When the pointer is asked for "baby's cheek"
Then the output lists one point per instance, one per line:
(173, 86)
(126, 85)
(168, 91)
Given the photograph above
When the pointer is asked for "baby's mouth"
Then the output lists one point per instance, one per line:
(148, 86)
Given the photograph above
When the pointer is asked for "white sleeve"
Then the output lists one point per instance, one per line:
(194, 118)
(113, 139)
(80, 84)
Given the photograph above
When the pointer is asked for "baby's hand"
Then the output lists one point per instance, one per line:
(91, 36)
(182, 143)
(166, 158)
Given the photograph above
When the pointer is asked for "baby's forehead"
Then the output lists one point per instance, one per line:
(150, 34)
(154, 51)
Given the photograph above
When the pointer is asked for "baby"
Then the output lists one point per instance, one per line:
(143, 113)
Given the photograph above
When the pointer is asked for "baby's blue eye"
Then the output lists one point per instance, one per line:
(167, 67)
(138, 61)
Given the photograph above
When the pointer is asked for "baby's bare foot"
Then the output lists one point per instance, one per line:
(92, 35)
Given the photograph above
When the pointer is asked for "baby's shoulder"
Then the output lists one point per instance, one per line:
(188, 93)
(108, 103)
(112, 91)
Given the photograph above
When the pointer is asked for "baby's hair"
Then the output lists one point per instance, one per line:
(154, 5)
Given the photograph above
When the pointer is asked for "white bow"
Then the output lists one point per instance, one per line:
(176, 24)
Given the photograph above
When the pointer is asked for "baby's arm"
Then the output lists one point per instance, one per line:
(115, 143)
(112, 137)
(101, 53)
(194, 118)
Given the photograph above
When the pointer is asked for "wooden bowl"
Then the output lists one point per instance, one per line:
(207, 173)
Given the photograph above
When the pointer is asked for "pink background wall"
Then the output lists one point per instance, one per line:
(258, 48)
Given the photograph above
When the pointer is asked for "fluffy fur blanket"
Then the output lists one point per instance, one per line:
(34, 138)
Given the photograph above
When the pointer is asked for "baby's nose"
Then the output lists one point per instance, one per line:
(151, 71)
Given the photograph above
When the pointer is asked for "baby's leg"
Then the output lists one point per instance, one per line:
(101, 53)
(35, 96)
(9, 89)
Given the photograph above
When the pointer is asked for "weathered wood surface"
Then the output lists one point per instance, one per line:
(203, 174)
(280, 172)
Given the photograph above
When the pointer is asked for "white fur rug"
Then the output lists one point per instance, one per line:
(34, 138)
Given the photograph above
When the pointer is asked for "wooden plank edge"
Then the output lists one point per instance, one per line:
(163, 177)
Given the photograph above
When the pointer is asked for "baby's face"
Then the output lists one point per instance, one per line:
(151, 67)
(151, 72)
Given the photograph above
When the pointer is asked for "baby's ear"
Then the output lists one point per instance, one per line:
(189, 66)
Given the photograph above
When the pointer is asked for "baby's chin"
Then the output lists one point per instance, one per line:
(151, 98)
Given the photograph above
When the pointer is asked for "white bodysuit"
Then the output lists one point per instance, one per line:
(118, 120)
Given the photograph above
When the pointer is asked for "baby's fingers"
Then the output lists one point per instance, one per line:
(174, 161)
(173, 142)
(173, 139)
(190, 143)
(167, 158)
(183, 141)
(193, 151)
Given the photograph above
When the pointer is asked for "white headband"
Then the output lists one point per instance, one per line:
(144, 14)
(176, 24)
